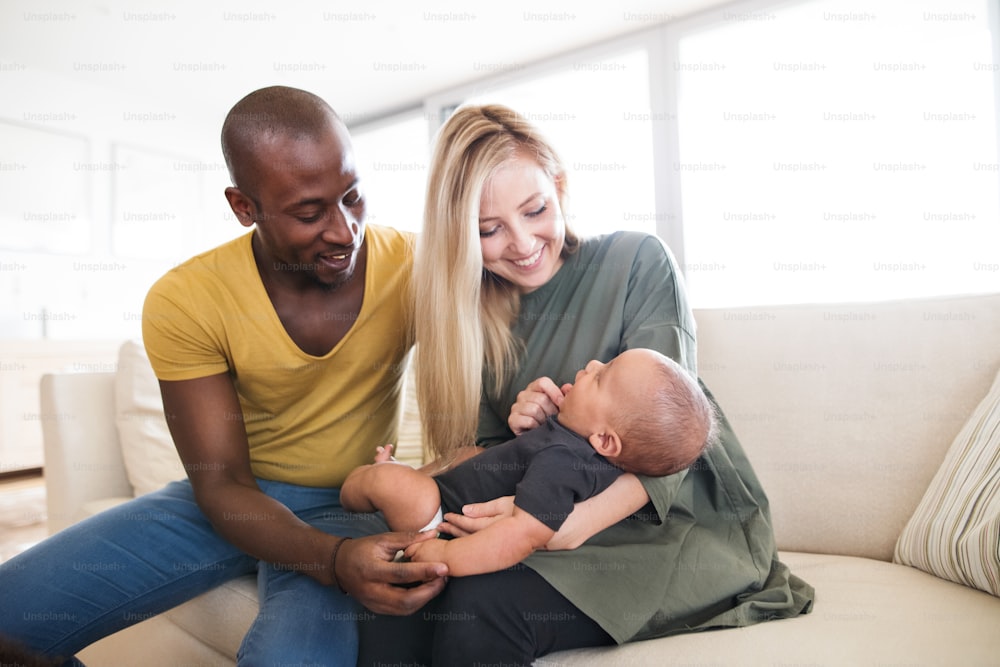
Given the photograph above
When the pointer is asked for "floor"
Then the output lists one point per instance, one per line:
(22, 514)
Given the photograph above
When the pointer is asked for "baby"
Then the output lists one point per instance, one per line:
(640, 413)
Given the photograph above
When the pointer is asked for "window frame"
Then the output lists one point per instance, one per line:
(662, 44)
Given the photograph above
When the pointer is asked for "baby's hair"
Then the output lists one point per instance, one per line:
(665, 430)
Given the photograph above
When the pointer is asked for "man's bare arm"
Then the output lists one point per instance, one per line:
(205, 420)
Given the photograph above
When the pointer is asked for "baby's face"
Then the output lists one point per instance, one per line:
(599, 390)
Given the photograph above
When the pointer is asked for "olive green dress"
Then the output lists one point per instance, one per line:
(702, 553)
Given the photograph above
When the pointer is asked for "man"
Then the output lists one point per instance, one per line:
(280, 357)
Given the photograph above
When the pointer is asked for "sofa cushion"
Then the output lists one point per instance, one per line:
(846, 410)
(867, 612)
(219, 618)
(955, 531)
(147, 449)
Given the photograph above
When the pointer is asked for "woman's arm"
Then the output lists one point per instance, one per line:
(502, 544)
(539, 400)
(623, 498)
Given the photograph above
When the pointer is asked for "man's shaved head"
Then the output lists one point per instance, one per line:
(263, 115)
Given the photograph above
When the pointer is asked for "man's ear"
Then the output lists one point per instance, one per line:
(607, 444)
(242, 206)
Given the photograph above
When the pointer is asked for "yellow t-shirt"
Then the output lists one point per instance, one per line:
(309, 420)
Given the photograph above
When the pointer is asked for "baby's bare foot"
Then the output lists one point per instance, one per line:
(383, 454)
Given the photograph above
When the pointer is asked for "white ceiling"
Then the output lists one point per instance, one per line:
(197, 57)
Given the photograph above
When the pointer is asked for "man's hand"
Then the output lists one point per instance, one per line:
(365, 570)
(476, 516)
(540, 400)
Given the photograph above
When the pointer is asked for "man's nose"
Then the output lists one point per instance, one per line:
(342, 228)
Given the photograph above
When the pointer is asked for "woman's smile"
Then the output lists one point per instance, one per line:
(530, 261)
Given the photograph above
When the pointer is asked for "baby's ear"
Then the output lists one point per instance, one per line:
(607, 444)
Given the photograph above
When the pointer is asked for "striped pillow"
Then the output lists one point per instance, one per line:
(955, 531)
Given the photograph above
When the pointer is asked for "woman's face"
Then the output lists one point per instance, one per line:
(521, 226)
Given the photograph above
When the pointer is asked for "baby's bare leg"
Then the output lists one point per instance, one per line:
(408, 498)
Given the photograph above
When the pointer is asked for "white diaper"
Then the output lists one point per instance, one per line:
(438, 518)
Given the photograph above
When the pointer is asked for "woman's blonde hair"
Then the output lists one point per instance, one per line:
(464, 313)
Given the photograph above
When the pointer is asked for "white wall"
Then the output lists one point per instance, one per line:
(129, 187)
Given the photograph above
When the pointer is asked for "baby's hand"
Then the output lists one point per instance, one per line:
(428, 551)
(384, 454)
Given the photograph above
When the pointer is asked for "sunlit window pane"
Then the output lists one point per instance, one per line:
(834, 151)
(597, 115)
(392, 159)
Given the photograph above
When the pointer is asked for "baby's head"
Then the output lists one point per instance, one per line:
(642, 411)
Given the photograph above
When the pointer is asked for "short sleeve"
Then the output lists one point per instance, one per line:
(657, 314)
(179, 344)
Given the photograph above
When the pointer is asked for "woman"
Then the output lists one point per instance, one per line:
(512, 298)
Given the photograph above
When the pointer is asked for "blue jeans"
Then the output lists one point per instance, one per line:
(157, 551)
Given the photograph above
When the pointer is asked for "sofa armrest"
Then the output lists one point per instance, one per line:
(83, 459)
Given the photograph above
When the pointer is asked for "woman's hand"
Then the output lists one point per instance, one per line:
(365, 569)
(539, 400)
(476, 516)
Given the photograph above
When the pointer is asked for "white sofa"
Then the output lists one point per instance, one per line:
(847, 412)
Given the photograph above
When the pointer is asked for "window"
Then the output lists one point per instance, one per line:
(393, 157)
(595, 111)
(833, 152)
